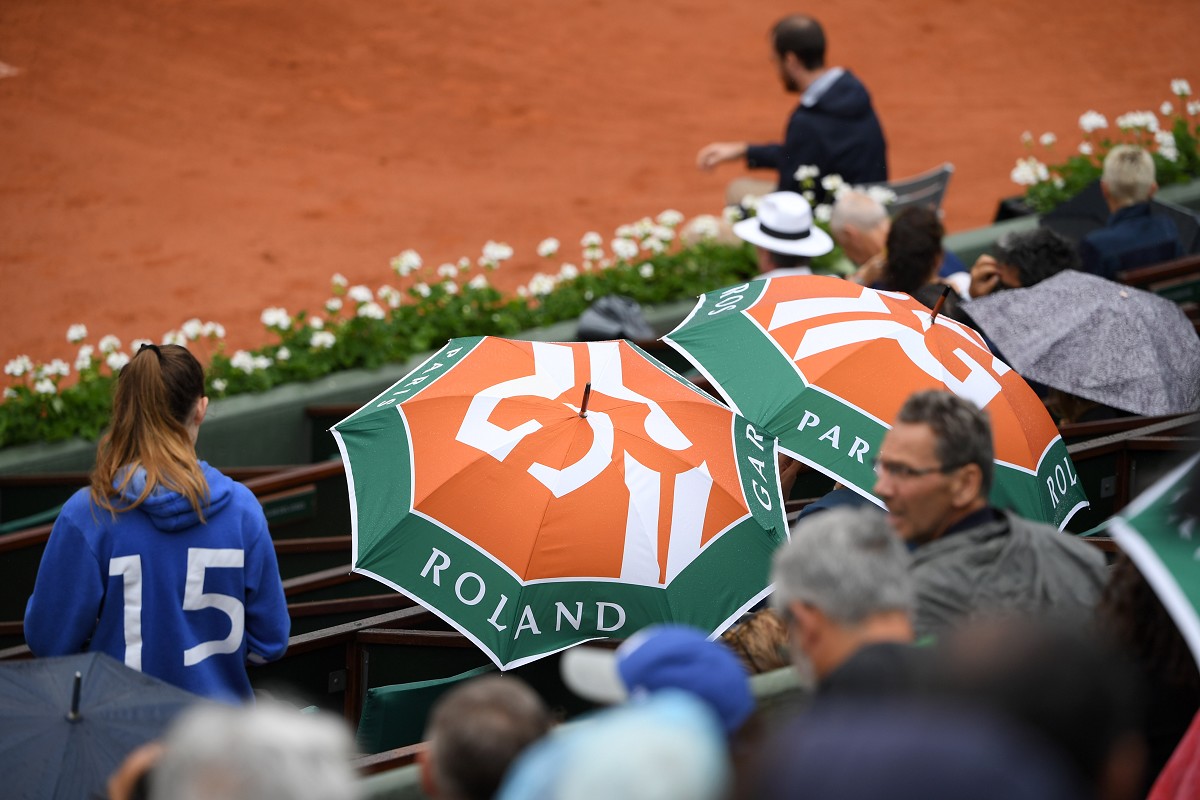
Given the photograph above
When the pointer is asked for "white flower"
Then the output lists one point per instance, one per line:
(627, 232)
(109, 344)
(136, 345)
(881, 194)
(360, 294)
(1138, 119)
(192, 329)
(84, 359)
(390, 295)
(704, 226)
(405, 263)
(316, 323)
(276, 318)
(464, 264)
(322, 340)
(116, 360)
(1181, 88)
(44, 386)
(831, 183)
(262, 362)
(522, 291)
(339, 280)
(547, 248)
(594, 253)
(57, 367)
(18, 366)
(449, 287)
(371, 310)
(1027, 137)
(478, 282)
(9, 393)
(568, 272)
(242, 360)
(1193, 108)
(653, 245)
(1092, 121)
(809, 195)
(1166, 145)
(422, 289)
(671, 218)
(219, 384)
(643, 227)
(750, 201)
(175, 337)
(1167, 108)
(646, 270)
(806, 172)
(1085, 148)
(1029, 171)
(591, 239)
(623, 249)
(333, 305)
(76, 333)
(283, 354)
(497, 251)
(541, 284)
(662, 233)
(213, 329)
(1047, 139)
(447, 271)
(732, 214)
(823, 212)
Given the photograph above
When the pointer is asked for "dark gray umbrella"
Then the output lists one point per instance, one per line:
(1100, 340)
(66, 723)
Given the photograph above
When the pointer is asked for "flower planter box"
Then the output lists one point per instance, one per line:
(273, 428)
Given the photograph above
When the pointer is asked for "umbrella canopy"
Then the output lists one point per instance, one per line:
(1091, 337)
(1158, 532)
(537, 495)
(62, 736)
(825, 364)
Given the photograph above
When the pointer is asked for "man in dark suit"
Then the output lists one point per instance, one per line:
(1134, 237)
(834, 128)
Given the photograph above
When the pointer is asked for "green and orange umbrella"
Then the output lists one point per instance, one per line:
(825, 364)
(537, 495)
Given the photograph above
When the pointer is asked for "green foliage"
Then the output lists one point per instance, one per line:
(1173, 142)
(364, 334)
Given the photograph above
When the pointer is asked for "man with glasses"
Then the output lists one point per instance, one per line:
(934, 474)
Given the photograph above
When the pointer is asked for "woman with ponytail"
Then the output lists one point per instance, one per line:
(164, 563)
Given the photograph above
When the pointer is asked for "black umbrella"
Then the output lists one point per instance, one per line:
(1087, 211)
(66, 723)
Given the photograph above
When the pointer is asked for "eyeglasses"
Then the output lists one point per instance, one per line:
(900, 472)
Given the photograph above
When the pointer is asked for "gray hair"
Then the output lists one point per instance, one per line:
(858, 209)
(261, 752)
(1128, 174)
(846, 562)
(961, 431)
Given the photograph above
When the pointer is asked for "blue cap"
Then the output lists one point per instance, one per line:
(663, 657)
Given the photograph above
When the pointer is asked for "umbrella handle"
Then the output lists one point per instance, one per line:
(937, 307)
(73, 716)
(587, 393)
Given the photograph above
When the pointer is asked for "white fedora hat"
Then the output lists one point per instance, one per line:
(785, 225)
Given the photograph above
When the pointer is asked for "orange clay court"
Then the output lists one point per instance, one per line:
(161, 160)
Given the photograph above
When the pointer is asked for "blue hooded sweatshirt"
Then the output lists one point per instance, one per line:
(184, 601)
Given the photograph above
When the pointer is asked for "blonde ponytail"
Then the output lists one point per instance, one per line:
(156, 394)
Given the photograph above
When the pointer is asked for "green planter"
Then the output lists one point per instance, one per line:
(273, 427)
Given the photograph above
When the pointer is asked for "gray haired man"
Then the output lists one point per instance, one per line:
(843, 586)
(935, 474)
